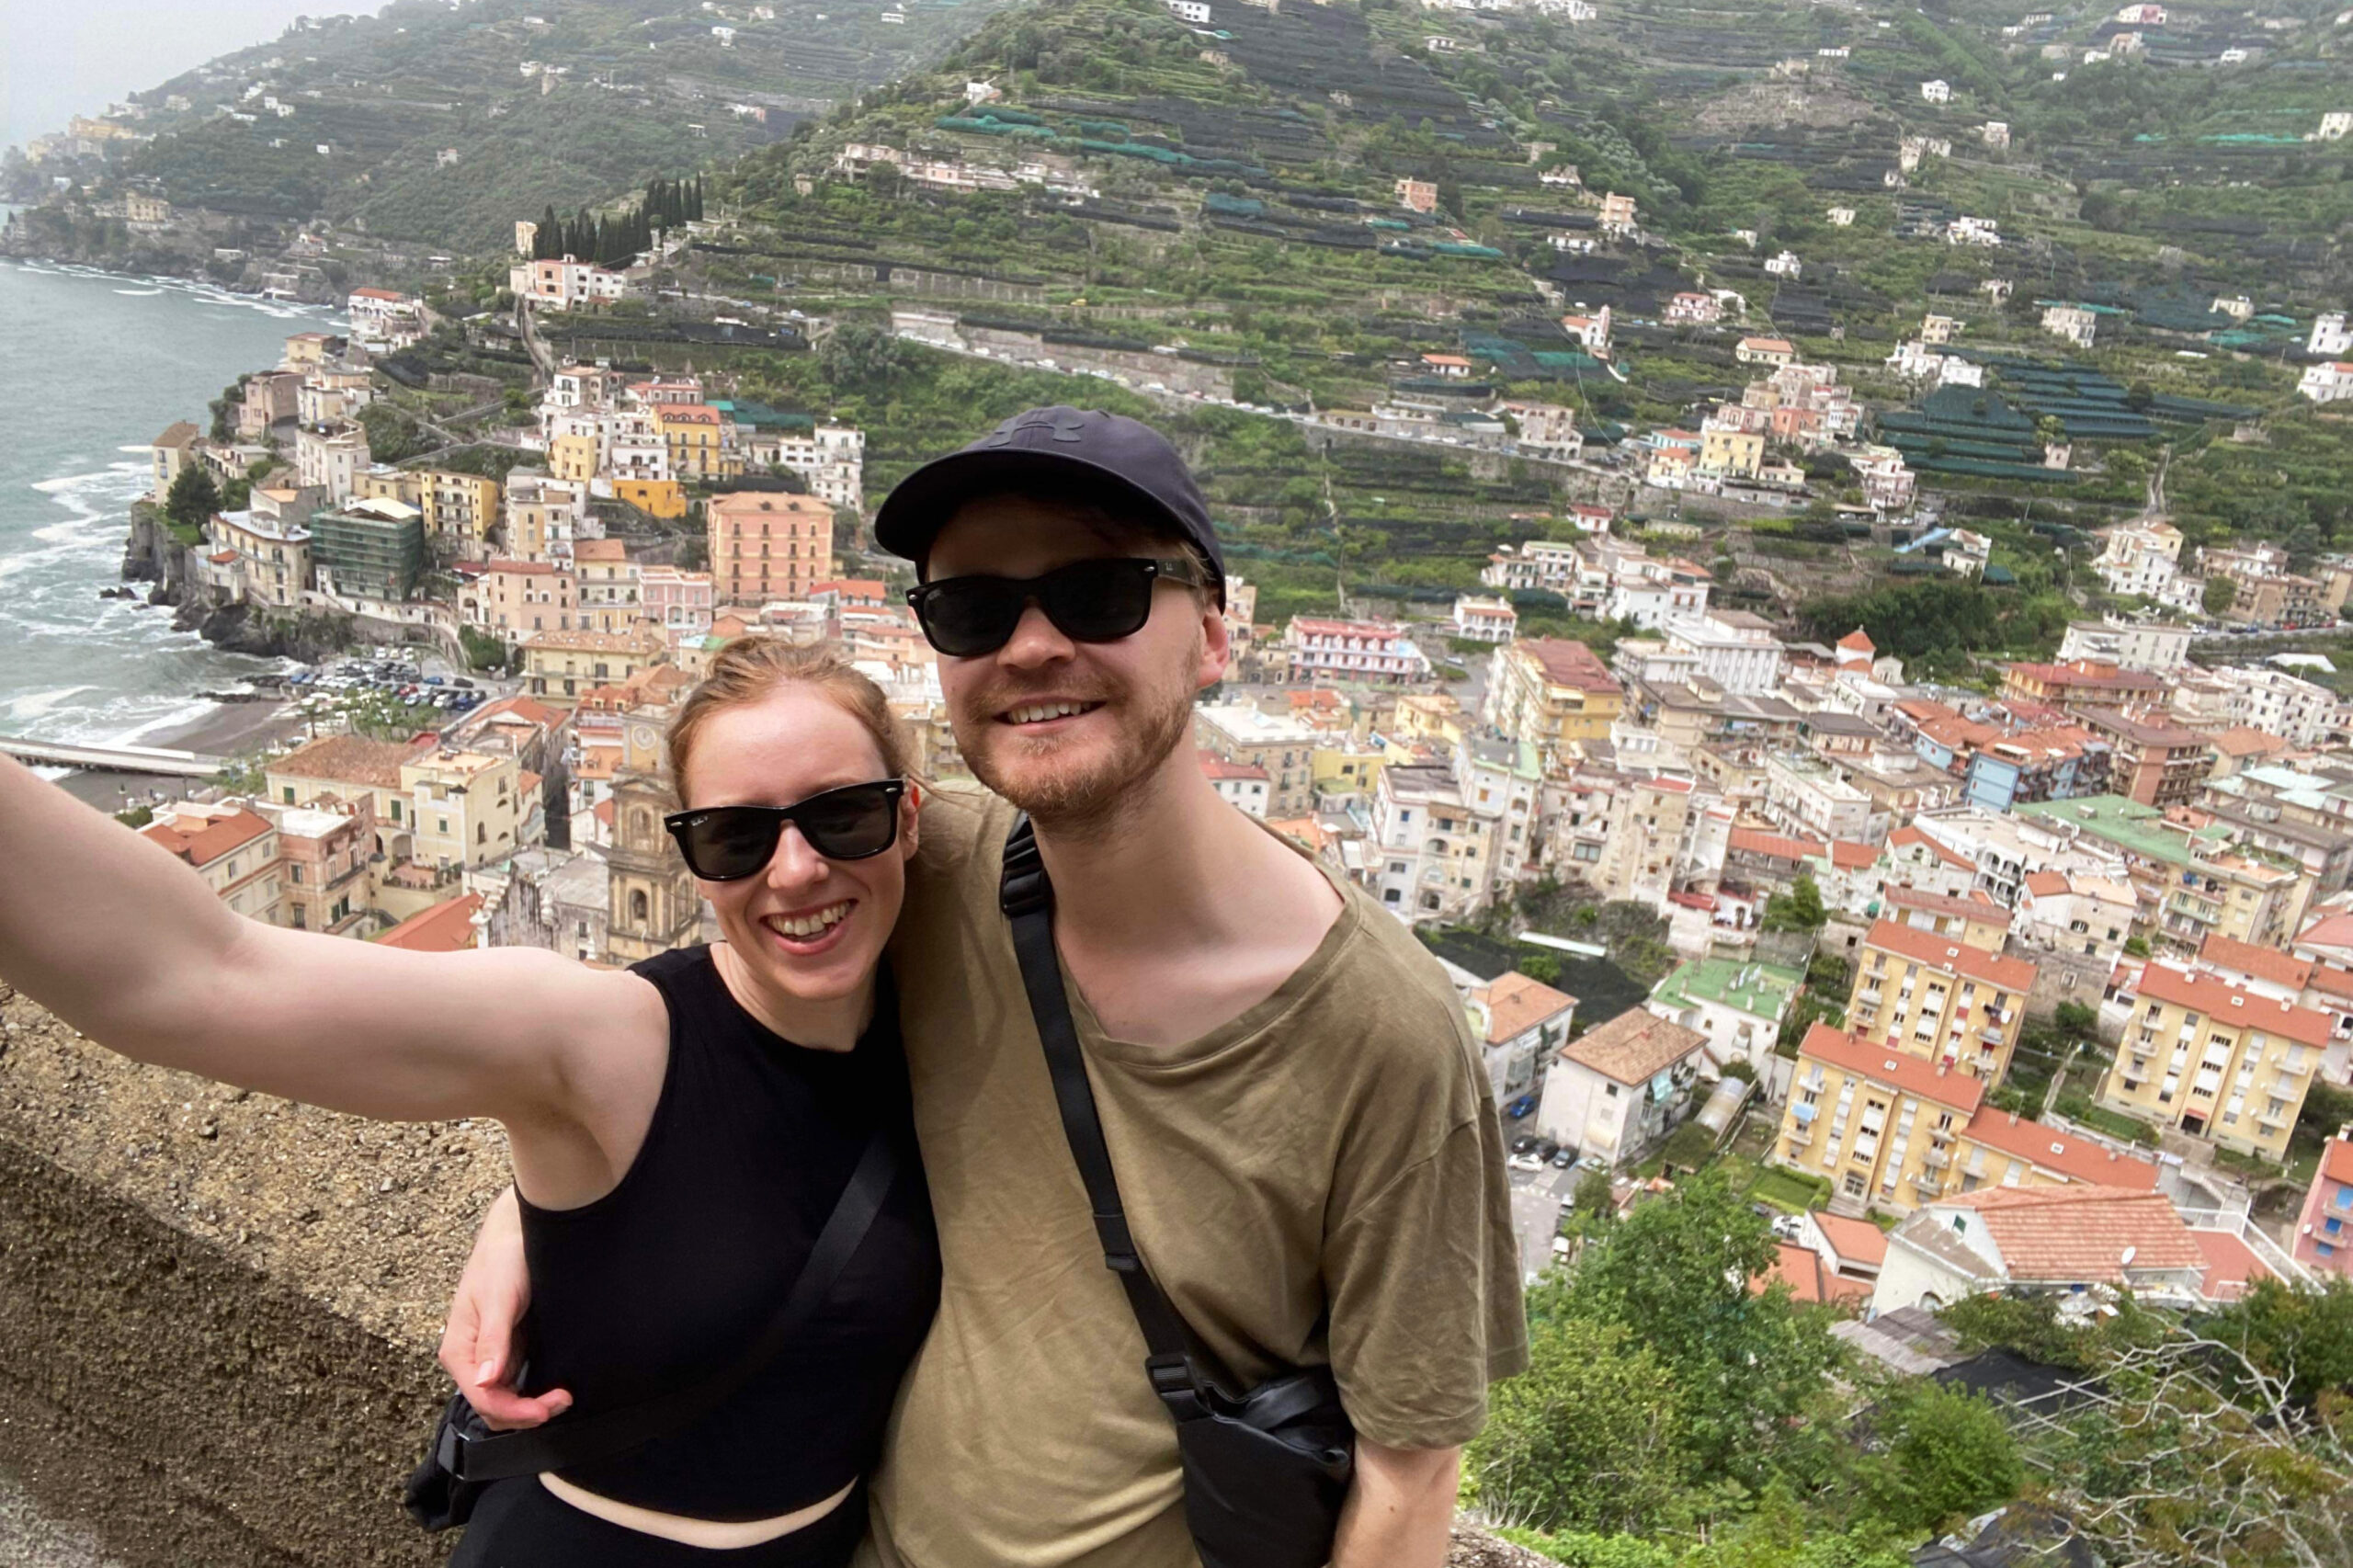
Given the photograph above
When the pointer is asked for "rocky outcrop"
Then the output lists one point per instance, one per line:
(218, 1311)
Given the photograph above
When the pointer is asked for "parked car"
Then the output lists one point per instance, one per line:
(1520, 1106)
(1524, 1144)
(1565, 1159)
(1547, 1148)
(1593, 1162)
(1531, 1161)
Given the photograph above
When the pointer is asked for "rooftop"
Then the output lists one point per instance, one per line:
(1634, 1047)
(2123, 821)
(1762, 990)
(2077, 1159)
(345, 759)
(447, 927)
(2081, 1235)
(1779, 845)
(1938, 953)
(1856, 1241)
(1912, 1075)
(1975, 907)
(200, 839)
(2258, 963)
(2234, 1005)
(1517, 1004)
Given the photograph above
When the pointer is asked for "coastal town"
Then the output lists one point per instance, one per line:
(1803, 555)
(2072, 950)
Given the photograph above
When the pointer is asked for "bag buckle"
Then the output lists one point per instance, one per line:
(452, 1454)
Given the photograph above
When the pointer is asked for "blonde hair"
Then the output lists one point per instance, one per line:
(751, 669)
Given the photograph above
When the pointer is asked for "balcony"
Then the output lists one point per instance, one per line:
(1936, 1159)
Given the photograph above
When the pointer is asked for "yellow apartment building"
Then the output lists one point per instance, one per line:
(1739, 454)
(463, 507)
(346, 767)
(467, 808)
(1939, 999)
(573, 457)
(697, 434)
(1884, 1126)
(1346, 767)
(658, 497)
(1894, 1131)
(562, 667)
(1552, 691)
(2216, 1060)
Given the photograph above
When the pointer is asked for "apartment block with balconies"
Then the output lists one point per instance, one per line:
(2216, 1060)
(1940, 999)
(1884, 1126)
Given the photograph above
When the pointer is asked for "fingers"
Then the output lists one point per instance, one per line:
(504, 1410)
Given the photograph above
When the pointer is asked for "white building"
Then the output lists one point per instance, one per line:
(2334, 126)
(1434, 852)
(2131, 644)
(1485, 620)
(1240, 784)
(1735, 650)
(2330, 335)
(1622, 1087)
(2140, 558)
(1936, 92)
(1190, 11)
(565, 284)
(2077, 323)
(2329, 382)
(1369, 651)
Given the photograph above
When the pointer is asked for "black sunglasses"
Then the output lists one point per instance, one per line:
(725, 844)
(1088, 601)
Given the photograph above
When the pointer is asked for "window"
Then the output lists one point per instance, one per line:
(1611, 1089)
(297, 872)
(638, 906)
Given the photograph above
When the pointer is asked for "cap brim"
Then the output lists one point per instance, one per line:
(921, 504)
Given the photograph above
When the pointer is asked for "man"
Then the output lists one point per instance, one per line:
(1307, 1149)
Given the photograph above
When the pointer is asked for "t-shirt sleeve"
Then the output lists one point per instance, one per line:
(1424, 1281)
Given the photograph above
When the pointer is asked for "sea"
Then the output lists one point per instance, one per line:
(102, 364)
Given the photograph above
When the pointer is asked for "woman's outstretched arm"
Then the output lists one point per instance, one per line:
(126, 943)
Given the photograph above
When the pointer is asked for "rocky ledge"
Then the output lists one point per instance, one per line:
(219, 1310)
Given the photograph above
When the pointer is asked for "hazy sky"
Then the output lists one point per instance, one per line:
(61, 58)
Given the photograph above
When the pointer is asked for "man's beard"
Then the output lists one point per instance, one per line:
(1078, 796)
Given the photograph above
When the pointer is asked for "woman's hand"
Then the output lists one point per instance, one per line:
(480, 1345)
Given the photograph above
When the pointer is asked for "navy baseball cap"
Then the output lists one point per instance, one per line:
(1080, 449)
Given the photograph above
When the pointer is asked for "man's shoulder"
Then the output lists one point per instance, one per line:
(1391, 990)
(962, 828)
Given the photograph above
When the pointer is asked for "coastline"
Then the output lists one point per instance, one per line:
(232, 729)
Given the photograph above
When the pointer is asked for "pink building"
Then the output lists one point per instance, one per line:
(1378, 652)
(680, 603)
(2324, 1229)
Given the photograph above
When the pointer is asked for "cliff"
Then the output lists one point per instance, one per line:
(219, 1309)
(152, 556)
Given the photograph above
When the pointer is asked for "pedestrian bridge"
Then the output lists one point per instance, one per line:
(118, 760)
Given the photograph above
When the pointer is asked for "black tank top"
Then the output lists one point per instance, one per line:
(673, 1274)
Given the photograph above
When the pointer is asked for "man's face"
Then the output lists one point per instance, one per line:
(1133, 697)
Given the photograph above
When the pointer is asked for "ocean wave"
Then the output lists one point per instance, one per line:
(138, 293)
(32, 705)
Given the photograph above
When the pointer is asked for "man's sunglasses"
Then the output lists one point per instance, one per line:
(726, 843)
(1088, 601)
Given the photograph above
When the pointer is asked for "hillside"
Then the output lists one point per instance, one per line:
(438, 123)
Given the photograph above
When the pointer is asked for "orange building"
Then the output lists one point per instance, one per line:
(768, 544)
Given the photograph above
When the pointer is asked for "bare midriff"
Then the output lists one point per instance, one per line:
(718, 1534)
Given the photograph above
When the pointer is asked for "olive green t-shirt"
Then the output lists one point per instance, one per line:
(1320, 1180)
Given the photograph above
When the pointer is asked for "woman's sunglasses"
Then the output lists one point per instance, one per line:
(725, 844)
(1088, 601)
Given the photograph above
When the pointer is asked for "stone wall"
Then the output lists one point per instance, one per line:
(218, 1311)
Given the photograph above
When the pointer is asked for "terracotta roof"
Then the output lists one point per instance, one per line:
(1779, 845)
(1850, 856)
(200, 840)
(2231, 1264)
(2262, 963)
(1942, 952)
(528, 709)
(2077, 1159)
(1517, 1004)
(346, 759)
(377, 294)
(2241, 740)
(2047, 884)
(600, 549)
(2329, 931)
(179, 434)
(1976, 906)
(1856, 1241)
(2336, 1161)
(1904, 837)
(526, 781)
(1801, 1268)
(1858, 641)
(1215, 768)
(447, 927)
(1634, 1047)
(1912, 1075)
(2079, 1235)
(2218, 999)
(1566, 661)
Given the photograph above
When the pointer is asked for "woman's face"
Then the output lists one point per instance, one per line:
(812, 928)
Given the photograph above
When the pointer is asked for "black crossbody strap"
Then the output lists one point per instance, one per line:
(562, 1444)
(1181, 1370)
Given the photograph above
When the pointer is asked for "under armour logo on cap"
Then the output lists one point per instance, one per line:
(1067, 424)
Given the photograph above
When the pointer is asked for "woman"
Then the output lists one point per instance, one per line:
(680, 1131)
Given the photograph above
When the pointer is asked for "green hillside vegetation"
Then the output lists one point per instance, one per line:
(644, 87)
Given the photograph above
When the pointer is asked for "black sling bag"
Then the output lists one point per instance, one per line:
(1265, 1470)
(466, 1456)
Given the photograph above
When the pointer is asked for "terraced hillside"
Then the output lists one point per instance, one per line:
(440, 124)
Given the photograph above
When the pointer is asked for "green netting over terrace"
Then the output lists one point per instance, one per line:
(1516, 362)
